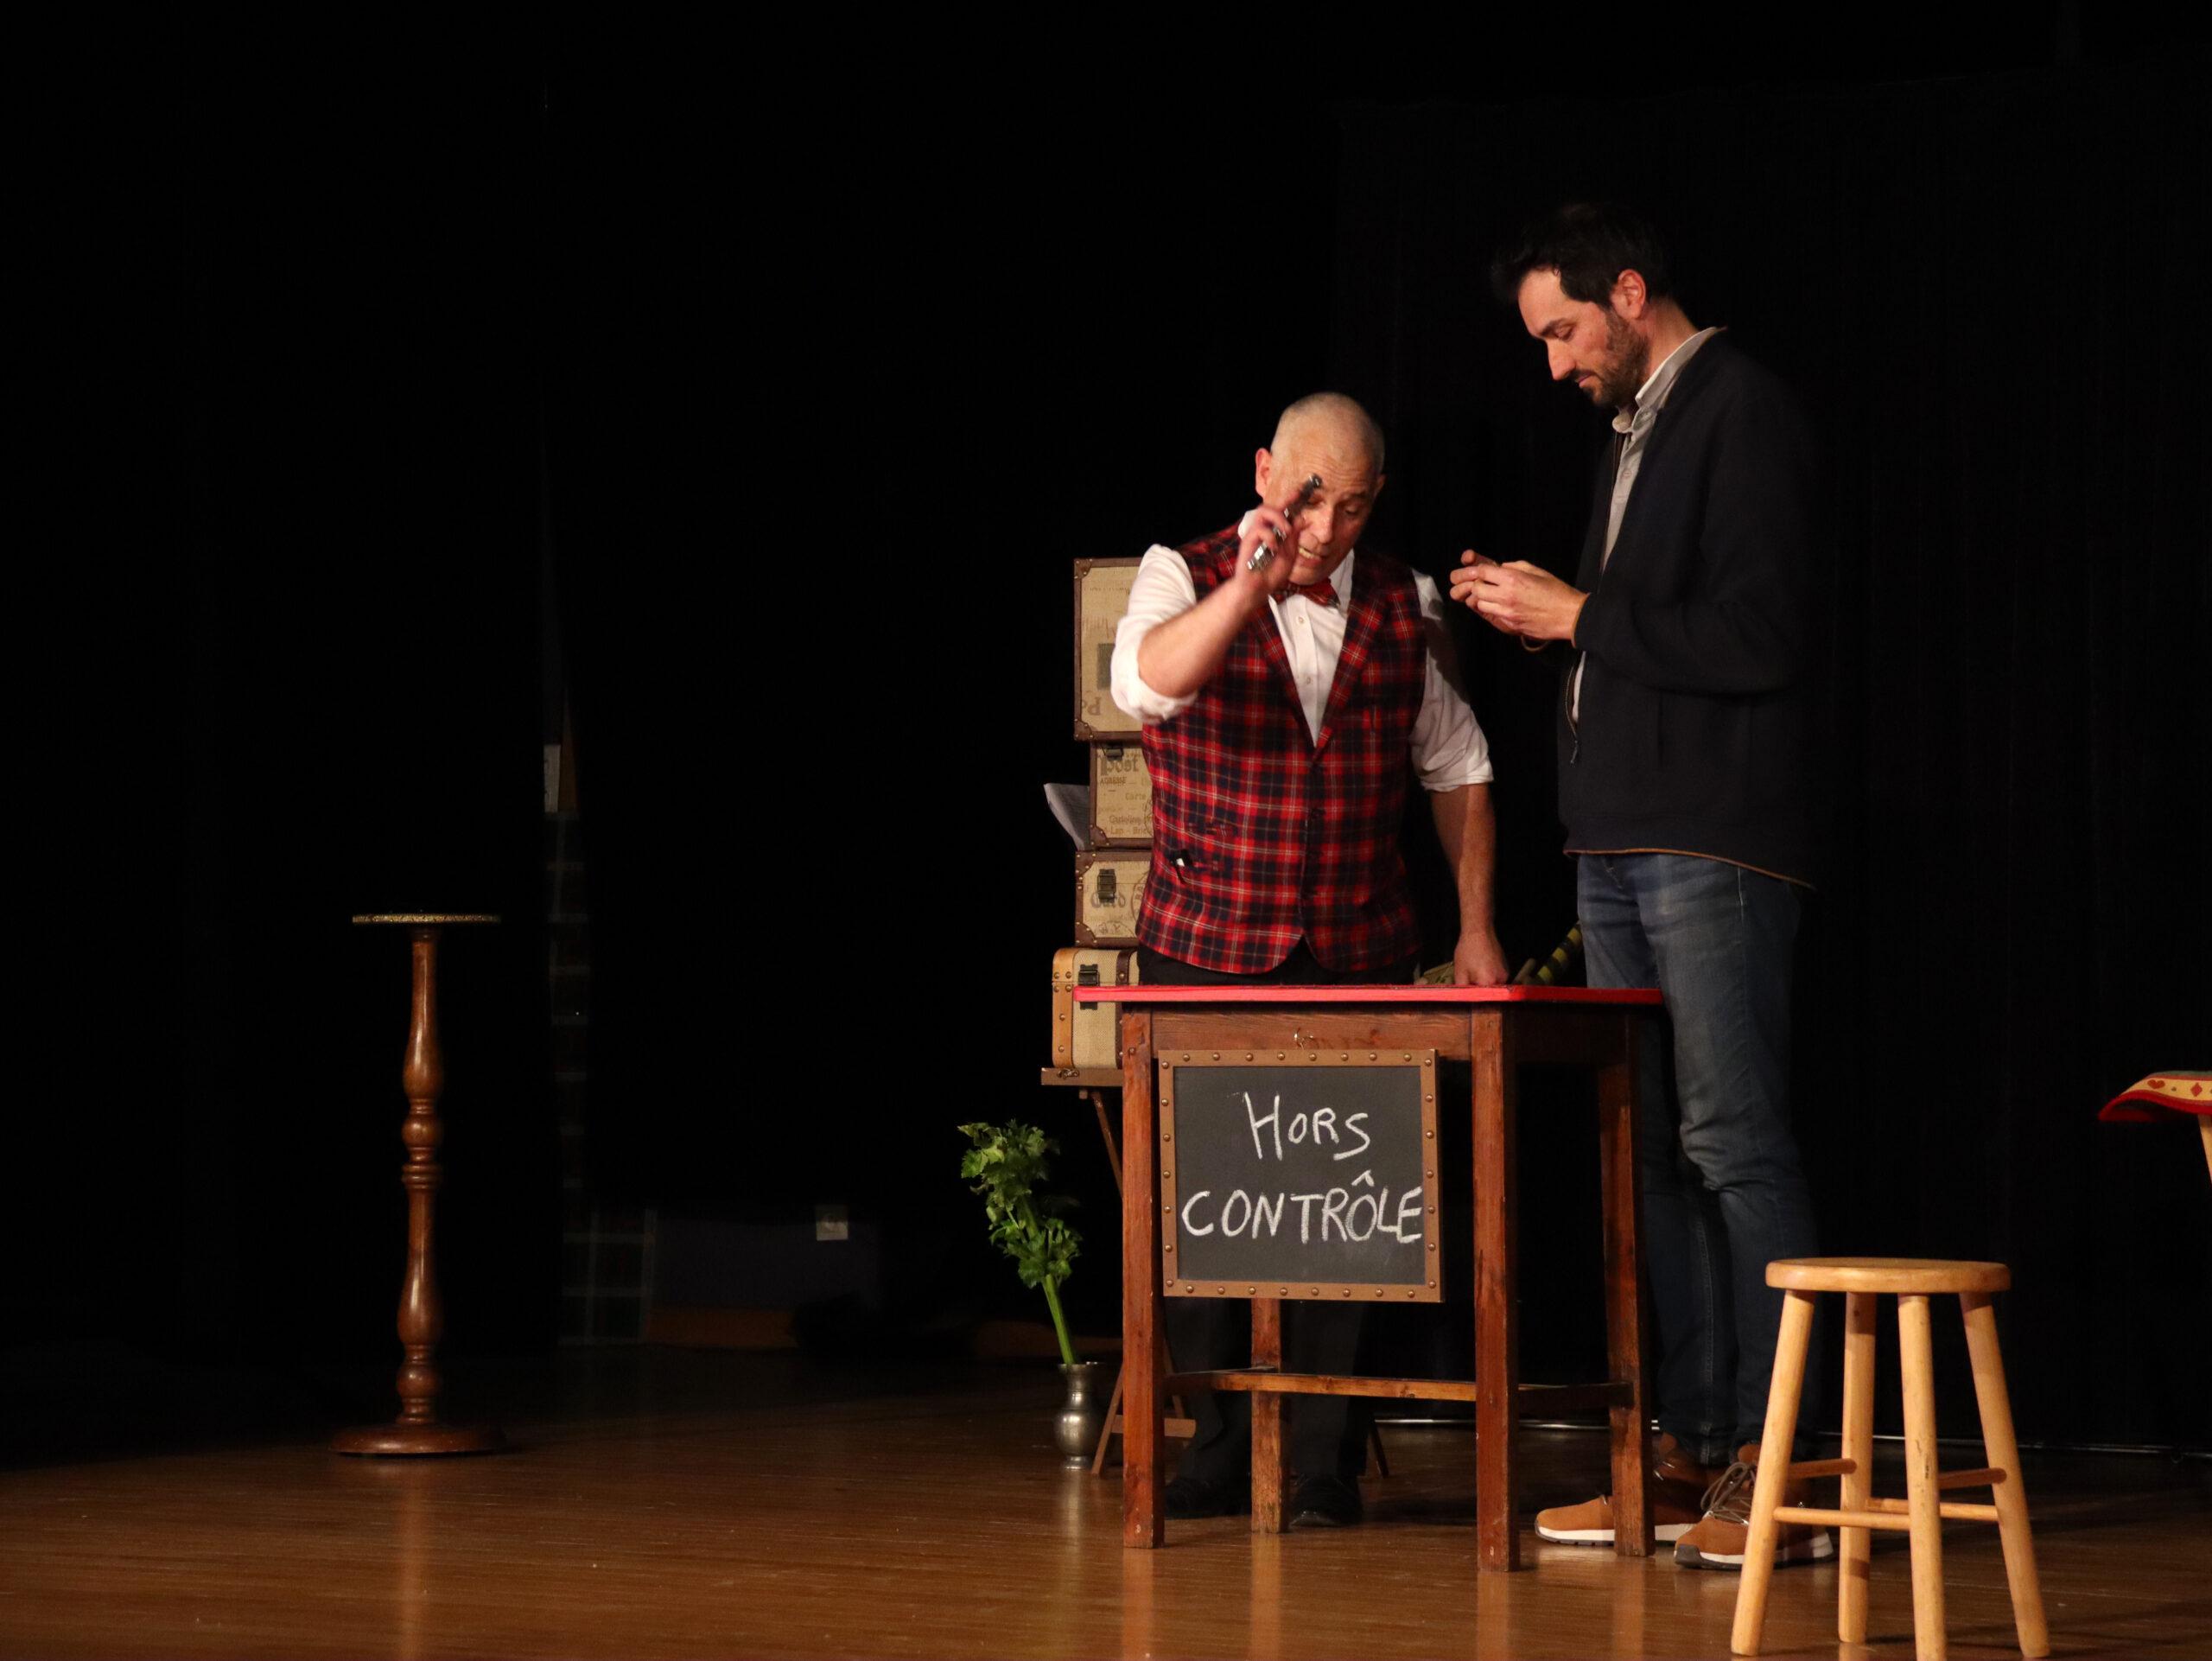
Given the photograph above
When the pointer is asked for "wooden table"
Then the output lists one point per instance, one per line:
(1497, 1028)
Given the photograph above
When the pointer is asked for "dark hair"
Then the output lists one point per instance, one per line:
(1589, 245)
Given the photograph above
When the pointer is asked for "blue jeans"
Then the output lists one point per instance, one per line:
(1723, 1191)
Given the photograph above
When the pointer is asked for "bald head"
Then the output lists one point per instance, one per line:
(1332, 420)
(1323, 473)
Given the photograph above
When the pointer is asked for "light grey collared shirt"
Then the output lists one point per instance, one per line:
(1634, 422)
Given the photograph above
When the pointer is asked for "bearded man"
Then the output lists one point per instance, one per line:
(1685, 787)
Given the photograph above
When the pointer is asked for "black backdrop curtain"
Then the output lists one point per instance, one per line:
(341, 342)
(813, 554)
(1028, 332)
(1037, 334)
(281, 669)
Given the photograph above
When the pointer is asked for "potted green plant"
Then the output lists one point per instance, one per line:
(1006, 1164)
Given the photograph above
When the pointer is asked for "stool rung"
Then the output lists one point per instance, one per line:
(1840, 1519)
(1883, 1514)
(1956, 1509)
(1987, 1477)
(1809, 1468)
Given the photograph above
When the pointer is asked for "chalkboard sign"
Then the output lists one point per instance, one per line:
(1300, 1174)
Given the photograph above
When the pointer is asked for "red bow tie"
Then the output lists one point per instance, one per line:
(1321, 593)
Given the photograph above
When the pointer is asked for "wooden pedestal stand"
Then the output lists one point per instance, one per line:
(422, 1317)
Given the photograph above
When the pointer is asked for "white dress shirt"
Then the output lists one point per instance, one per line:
(1448, 748)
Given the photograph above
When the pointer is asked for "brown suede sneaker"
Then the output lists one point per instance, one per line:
(1722, 1534)
(1678, 1484)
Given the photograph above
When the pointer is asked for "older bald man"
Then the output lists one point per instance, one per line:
(1291, 682)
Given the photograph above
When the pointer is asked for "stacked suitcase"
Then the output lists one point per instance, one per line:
(1110, 869)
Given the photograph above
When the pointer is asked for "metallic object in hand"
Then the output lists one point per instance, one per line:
(1262, 557)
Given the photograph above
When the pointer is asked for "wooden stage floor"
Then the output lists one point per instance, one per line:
(669, 1503)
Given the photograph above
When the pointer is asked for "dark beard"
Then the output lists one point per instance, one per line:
(1628, 363)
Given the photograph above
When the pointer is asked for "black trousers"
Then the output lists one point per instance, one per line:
(1327, 1435)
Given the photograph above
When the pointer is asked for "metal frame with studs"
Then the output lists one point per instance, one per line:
(1428, 1290)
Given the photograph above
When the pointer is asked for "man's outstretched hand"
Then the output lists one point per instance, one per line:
(1518, 597)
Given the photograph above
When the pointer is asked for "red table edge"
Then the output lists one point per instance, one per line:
(1271, 994)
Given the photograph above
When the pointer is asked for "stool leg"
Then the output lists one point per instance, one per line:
(1858, 1485)
(1773, 1470)
(1923, 1498)
(2003, 1454)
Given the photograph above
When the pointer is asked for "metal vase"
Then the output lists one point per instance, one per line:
(1082, 1415)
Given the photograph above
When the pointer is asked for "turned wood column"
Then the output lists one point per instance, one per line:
(422, 1316)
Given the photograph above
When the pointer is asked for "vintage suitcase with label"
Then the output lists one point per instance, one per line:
(1120, 796)
(1088, 1034)
(1109, 884)
(1101, 595)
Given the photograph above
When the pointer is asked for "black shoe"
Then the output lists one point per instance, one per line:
(1324, 1502)
(1198, 1496)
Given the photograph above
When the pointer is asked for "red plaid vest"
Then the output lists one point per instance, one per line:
(1261, 834)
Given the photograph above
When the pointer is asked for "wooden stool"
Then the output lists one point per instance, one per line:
(1912, 1281)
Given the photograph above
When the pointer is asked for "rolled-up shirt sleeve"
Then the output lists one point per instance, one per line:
(1163, 590)
(1449, 749)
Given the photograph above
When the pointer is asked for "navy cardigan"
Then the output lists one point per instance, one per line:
(1693, 732)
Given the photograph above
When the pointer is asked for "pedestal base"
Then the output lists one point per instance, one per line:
(419, 1439)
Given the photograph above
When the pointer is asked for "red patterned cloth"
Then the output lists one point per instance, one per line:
(2161, 1096)
(1263, 833)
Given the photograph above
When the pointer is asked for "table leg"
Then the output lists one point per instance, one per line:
(1623, 1213)
(1108, 1430)
(1112, 1428)
(1497, 1365)
(1267, 1517)
(1143, 1523)
(1097, 1100)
